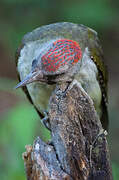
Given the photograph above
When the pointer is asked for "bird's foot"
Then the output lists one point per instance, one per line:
(68, 87)
(45, 121)
(50, 142)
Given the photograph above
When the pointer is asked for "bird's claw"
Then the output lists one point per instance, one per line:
(45, 120)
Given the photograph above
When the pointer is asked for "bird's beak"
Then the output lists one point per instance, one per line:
(31, 77)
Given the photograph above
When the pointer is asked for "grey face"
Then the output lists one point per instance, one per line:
(34, 75)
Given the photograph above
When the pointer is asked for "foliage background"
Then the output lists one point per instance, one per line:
(19, 123)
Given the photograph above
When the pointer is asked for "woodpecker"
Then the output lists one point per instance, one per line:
(58, 53)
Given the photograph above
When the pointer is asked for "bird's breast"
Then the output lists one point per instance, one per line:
(40, 94)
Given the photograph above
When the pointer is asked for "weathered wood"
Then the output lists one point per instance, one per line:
(78, 148)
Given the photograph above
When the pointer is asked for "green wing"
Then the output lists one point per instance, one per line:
(97, 56)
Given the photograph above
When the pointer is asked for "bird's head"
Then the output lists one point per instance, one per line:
(58, 61)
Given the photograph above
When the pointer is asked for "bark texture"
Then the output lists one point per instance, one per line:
(78, 149)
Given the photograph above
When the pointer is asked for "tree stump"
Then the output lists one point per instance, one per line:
(78, 149)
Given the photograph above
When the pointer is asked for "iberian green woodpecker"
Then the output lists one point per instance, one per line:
(62, 52)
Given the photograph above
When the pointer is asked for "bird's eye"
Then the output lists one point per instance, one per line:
(34, 62)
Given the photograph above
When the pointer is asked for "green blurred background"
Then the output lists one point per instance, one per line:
(19, 122)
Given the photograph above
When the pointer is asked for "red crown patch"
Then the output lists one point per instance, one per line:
(61, 52)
